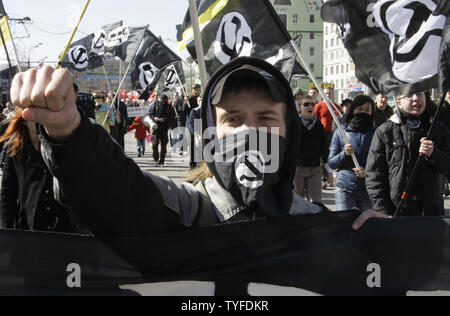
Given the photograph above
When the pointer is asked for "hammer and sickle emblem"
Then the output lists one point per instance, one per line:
(79, 57)
(234, 38)
(147, 73)
(250, 169)
(415, 34)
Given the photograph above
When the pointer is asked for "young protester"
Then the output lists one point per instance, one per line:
(27, 200)
(313, 148)
(163, 114)
(383, 111)
(395, 149)
(244, 97)
(298, 97)
(325, 117)
(140, 134)
(101, 110)
(314, 93)
(351, 188)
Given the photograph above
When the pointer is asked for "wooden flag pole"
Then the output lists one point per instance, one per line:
(198, 42)
(325, 98)
(72, 36)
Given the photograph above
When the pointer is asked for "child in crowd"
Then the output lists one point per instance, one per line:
(141, 134)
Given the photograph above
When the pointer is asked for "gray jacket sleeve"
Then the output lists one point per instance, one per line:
(112, 196)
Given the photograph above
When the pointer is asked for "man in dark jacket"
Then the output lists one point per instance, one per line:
(383, 111)
(162, 113)
(394, 151)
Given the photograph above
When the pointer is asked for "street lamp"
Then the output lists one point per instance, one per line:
(29, 53)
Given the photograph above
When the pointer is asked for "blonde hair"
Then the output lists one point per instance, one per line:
(199, 174)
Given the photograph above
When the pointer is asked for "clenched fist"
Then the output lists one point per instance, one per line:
(48, 98)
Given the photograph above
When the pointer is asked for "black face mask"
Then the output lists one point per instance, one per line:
(361, 122)
(251, 172)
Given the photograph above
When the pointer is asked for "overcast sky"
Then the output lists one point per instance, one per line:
(54, 20)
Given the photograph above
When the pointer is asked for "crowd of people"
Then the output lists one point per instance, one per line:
(386, 141)
(49, 185)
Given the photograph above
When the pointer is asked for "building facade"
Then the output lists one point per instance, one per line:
(302, 17)
(338, 66)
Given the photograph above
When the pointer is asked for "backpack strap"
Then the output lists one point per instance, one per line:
(206, 215)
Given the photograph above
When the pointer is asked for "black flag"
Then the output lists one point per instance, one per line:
(126, 41)
(100, 44)
(80, 57)
(151, 61)
(395, 44)
(444, 74)
(173, 77)
(235, 28)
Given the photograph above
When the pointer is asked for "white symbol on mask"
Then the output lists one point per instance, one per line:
(250, 167)
(234, 38)
(117, 36)
(415, 34)
(78, 57)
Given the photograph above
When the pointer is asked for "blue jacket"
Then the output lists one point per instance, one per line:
(337, 160)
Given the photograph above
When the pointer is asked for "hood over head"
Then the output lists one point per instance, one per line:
(278, 88)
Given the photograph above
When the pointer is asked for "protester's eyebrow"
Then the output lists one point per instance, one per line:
(268, 112)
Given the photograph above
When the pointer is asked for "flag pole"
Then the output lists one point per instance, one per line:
(11, 70)
(136, 52)
(325, 98)
(198, 42)
(72, 36)
(107, 80)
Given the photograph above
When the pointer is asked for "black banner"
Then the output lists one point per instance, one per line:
(301, 255)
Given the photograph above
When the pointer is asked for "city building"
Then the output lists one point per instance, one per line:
(338, 66)
(302, 17)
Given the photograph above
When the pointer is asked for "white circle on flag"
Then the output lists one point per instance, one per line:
(117, 36)
(147, 72)
(234, 38)
(78, 57)
(250, 167)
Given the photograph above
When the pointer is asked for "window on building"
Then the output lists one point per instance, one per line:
(326, 71)
(312, 67)
(311, 18)
(295, 18)
(331, 70)
(326, 30)
(312, 35)
(326, 44)
(283, 18)
(282, 2)
(342, 68)
(342, 83)
(337, 70)
(294, 84)
(311, 51)
(348, 67)
(332, 56)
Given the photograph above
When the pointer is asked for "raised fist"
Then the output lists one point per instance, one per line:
(48, 98)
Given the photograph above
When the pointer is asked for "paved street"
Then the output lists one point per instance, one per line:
(177, 168)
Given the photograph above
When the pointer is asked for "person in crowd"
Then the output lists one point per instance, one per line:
(161, 113)
(313, 147)
(298, 97)
(192, 104)
(121, 119)
(101, 112)
(244, 96)
(395, 149)
(85, 101)
(325, 117)
(27, 201)
(195, 115)
(359, 127)
(140, 135)
(383, 111)
(9, 112)
(314, 93)
(345, 106)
